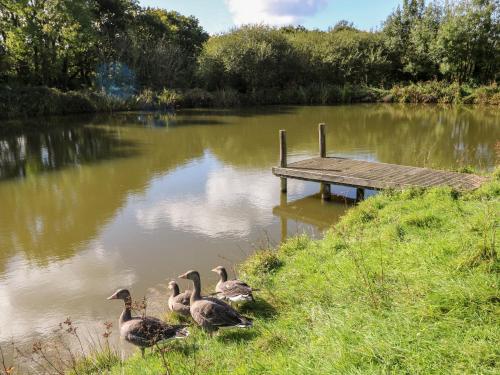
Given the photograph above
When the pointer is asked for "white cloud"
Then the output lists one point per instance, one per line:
(273, 12)
(219, 211)
(35, 299)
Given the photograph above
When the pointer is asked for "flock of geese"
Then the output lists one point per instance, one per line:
(210, 313)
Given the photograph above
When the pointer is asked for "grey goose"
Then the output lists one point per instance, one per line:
(178, 302)
(232, 290)
(147, 331)
(211, 315)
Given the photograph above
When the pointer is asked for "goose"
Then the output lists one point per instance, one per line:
(178, 302)
(211, 315)
(147, 331)
(233, 290)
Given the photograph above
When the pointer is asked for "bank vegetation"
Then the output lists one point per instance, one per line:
(59, 56)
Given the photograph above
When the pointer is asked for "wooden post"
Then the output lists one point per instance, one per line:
(325, 188)
(322, 141)
(360, 194)
(283, 218)
(283, 161)
(326, 193)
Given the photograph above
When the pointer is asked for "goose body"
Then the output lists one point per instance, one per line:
(232, 290)
(180, 302)
(209, 313)
(147, 331)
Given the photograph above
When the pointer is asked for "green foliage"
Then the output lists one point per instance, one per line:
(428, 92)
(247, 59)
(452, 40)
(122, 49)
(96, 363)
(467, 44)
(63, 43)
(43, 101)
(262, 262)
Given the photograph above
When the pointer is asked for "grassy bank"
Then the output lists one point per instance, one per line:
(406, 283)
(43, 101)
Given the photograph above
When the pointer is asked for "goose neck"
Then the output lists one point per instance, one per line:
(175, 291)
(223, 275)
(196, 295)
(126, 313)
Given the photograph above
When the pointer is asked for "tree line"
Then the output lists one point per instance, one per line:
(119, 46)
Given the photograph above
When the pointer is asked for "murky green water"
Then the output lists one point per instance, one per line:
(131, 200)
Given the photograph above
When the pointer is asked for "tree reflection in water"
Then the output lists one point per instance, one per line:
(32, 153)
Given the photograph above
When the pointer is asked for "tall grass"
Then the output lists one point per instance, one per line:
(42, 101)
(445, 93)
(65, 352)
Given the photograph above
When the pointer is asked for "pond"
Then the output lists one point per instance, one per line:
(92, 203)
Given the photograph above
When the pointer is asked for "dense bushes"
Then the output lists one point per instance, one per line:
(442, 92)
(455, 42)
(71, 44)
(152, 58)
(36, 101)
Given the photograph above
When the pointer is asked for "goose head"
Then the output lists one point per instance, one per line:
(122, 294)
(221, 271)
(190, 275)
(174, 287)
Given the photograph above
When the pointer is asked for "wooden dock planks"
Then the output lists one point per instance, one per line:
(374, 175)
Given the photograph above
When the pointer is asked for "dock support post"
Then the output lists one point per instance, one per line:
(326, 193)
(322, 141)
(283, 218)
(360, 194)
(283, 160)
(325, 188)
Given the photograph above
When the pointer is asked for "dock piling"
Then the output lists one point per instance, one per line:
(326, 193)
(360, 194)
(283, 161)
(322, 141)
(324, 188)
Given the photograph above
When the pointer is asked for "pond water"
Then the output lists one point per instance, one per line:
(93, 203)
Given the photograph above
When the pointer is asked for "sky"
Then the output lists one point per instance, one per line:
(221, 15)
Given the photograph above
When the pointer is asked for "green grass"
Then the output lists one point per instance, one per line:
(406, 283)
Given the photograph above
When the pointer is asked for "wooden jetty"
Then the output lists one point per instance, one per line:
(365, 174)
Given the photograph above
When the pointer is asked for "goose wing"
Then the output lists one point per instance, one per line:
(148, 331)
(218, 315)
(233, 288)
(184, 297)
(180, 308)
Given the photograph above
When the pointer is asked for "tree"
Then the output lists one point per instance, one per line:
(420, 61)
(467, 44)
(397, 29)
(48, 42)
(164, 48)
(247, 59)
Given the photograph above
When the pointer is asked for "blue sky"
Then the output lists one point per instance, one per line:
(220, 15)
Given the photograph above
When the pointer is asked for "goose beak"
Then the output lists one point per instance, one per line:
(214, 270)
(183, 276)
(112, 297)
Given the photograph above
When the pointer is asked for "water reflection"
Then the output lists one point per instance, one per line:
(310, 210)
(212, 205)
(30, 154)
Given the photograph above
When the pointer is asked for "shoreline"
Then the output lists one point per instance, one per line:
(43, 101)
(398, 285)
